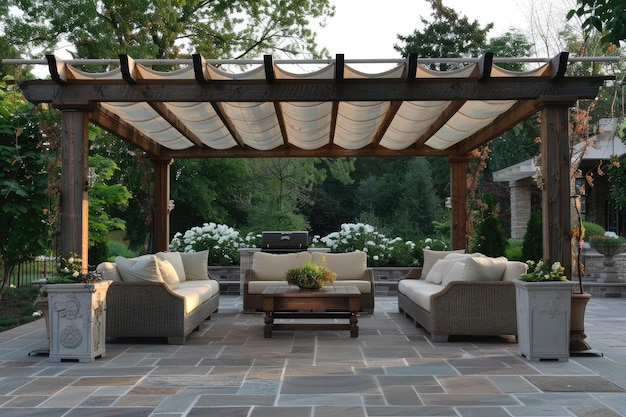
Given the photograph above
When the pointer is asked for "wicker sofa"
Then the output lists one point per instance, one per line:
(168, 294)
(461, 294)
(269, 269)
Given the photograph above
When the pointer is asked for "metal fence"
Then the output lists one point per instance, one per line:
(33, 271)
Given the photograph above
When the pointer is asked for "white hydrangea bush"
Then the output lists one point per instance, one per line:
(380, 249)
(220, 240)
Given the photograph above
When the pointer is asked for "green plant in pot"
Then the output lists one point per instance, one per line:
(543, 271)
(608, 244)
(311, 275)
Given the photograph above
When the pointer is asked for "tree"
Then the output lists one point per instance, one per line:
(489, 238)
(532, 246)
(101, 197)
(605, 16)
(25, 208)
(447, 35)
(165, 29)
(279, 188)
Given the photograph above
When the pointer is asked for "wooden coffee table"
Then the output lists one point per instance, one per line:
(328, 302)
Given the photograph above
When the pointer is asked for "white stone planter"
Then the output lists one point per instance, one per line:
(543, 319)
(77, 321)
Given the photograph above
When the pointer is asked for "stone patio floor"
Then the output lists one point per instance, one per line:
(392, 369)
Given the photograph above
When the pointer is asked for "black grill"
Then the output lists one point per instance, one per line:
(284, 242)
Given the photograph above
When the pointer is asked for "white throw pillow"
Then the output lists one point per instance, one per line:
(513, 270)
(109, 272)
(143, 268)
(349, 265)
(485, 268)
(440, 270)
(432, 256)
(455, 273)
(177, 262)
(196, 265)
(273, 267)
(168, 273)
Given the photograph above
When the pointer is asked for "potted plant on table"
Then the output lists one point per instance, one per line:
(543, 299)
(74, 306)
(311, 275)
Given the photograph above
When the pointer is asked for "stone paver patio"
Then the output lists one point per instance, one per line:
(392, 369)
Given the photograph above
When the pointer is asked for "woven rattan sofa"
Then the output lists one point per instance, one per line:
(269, 269)
(164, 295)
(466, 296)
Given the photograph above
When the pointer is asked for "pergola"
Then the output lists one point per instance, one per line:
(275, 109)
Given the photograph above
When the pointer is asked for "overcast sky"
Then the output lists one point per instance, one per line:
(369, 28)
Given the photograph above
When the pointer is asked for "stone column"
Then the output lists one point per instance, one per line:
(520, 207)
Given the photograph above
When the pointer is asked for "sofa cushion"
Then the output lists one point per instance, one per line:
(432, 256)
(143, 268)
(348, 265)
(455, 273)
(419, 291)
(196, 265)
(168, 273)
(484, 268)
(109, 271)
(273, 267)
(440, 270)
(513, 270)
(177, 262)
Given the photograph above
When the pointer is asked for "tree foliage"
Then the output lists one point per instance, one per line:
(24, 204)
(489, 237)
(532, 247)
(165, 29)
(446, 35)
(605, 16)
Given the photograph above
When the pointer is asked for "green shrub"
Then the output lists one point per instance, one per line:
(592, 229)
(117, 248)
(514, 254)
(532, 248)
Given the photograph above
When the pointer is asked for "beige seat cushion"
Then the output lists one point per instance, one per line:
(419, 291)
(273, 267)
(349, 265)
(197, 292)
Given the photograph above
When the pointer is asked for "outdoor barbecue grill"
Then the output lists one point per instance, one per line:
(284, 242)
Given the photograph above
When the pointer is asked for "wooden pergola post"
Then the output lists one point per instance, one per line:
(74, 180)
(555, 170)
(458, 201)
(161, 221)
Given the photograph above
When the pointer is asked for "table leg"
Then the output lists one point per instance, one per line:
(269, 324)
(354, 328)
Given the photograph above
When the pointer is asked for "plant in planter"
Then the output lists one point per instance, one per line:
(608, 245)
(543, 300)
(74, 306)
(311, 275)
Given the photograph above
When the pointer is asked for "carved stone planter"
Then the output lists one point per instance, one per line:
(543, 319)
(77, 321)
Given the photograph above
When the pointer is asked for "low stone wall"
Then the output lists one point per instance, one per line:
(385, 279)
